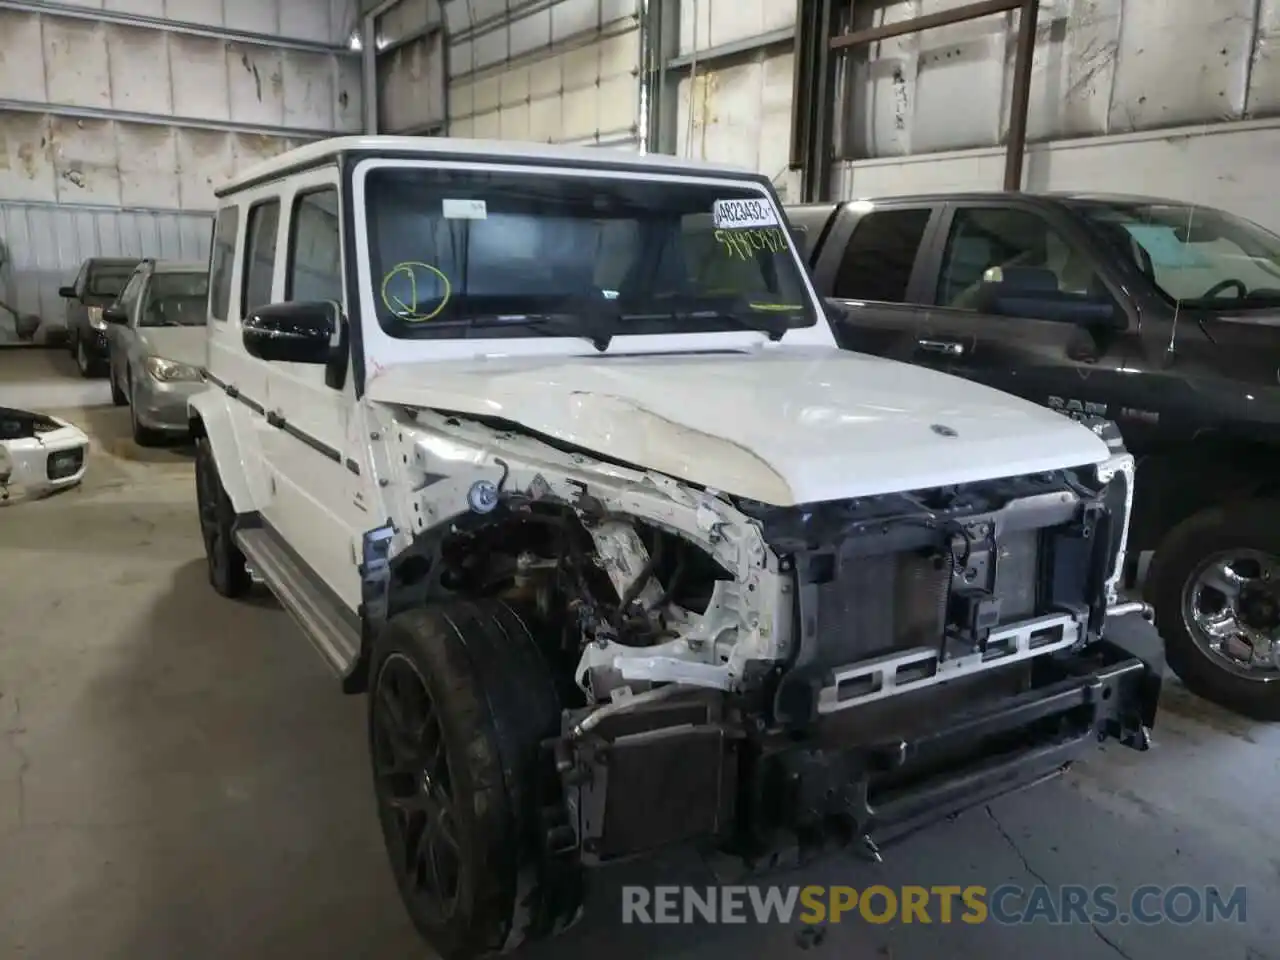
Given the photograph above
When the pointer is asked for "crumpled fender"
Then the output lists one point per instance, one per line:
(210, 414)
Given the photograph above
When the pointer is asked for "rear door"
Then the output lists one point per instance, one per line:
(1072, 368)
(871, 264)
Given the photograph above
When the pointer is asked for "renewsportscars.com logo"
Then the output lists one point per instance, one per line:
(1006, 905)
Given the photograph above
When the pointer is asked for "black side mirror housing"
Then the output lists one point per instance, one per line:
(305, 331)
(1032, 292)
(113, 314)
(67, 293)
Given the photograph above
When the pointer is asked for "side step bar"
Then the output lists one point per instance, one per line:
(321, 619)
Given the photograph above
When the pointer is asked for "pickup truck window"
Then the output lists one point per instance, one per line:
(982, 238)
(1193, 255)
(881, 253)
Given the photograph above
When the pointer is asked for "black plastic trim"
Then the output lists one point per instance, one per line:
(274, 419)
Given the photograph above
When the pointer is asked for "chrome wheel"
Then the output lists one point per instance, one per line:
(1231, 608)
(82, 357)
(414, 787)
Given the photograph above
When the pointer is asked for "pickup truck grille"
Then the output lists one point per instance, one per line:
(880, 604)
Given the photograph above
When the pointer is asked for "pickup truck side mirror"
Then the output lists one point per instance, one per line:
(1032, 292)
(306, 331)
(116, 315)
(67, 293)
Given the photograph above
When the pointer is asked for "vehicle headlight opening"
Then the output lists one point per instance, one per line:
(96, 320)
(170, 371)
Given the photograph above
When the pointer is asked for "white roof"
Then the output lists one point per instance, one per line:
(436, 146)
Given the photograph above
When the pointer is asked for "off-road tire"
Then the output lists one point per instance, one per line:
(228, 572)
(495, 700)
(1251, 524)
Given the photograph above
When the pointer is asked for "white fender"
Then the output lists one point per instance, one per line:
(212, 408)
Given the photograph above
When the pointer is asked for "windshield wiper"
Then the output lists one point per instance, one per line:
(772, 322)
(592, 324)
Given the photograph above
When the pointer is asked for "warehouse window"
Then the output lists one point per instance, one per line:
(315, 251)
(259, 255)
(222, 261)
(881, 254)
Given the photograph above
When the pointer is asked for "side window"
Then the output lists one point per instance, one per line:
(315, 252)
(881, 254)
(222, 260)
(982, 238)
(259, 255)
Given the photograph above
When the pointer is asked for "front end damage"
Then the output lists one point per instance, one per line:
(774, 679)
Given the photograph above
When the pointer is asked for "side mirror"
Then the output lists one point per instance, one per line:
(1032, 292)
(298, 332)
(67, 293)
(305, 331)
(116, 315)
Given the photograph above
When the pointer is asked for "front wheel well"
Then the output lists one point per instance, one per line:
(1173, 485)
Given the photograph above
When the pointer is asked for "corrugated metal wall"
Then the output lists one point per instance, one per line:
(553, 72)
(1132, 95)
(45, 244)
(409, 47)
(143, 107)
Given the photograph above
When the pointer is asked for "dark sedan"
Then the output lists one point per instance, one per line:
(97, 285)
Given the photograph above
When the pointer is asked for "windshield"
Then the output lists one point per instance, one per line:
(1195, 256)
(176, 300)
(108, 280)
(497, 253)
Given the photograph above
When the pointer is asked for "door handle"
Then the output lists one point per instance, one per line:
(949, 347)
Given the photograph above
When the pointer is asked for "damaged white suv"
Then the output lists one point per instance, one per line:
(551, 451)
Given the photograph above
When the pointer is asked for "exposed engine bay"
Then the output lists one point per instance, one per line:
(38, 454)
(658, 582)
(731, 669)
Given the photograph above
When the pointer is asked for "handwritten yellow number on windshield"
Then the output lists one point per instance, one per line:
(744, 244)
(406, 308)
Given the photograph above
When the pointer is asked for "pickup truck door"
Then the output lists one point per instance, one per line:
(1074, 368)
(871, 263)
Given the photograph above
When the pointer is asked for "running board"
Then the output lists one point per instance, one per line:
(321, 619)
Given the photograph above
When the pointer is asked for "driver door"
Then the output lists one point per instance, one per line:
(1069, 366)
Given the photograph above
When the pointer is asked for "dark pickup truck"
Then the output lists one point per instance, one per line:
(1161, 316)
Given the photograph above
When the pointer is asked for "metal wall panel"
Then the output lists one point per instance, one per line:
(44, 246)
(557, 72)
(148, 105)
(1227, 165)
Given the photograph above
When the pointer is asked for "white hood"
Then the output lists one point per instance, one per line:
(779, 426)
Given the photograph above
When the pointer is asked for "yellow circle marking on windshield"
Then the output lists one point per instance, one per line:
(407, 311)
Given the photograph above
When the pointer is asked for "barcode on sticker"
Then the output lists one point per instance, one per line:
(743, 214)
(465, 210)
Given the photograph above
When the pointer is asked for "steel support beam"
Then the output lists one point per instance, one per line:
(776, 41)
(943, 18)
(161, 120)
(1020, 96)
(94, 15)
(1015, 148)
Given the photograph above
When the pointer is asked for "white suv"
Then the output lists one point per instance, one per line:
(551, 451)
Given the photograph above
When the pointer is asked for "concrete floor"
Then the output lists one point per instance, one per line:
(180, 777)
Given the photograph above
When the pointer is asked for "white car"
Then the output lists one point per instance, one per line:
(39, 454)
(551, 451)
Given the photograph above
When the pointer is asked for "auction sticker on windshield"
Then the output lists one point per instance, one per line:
(743, 214)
